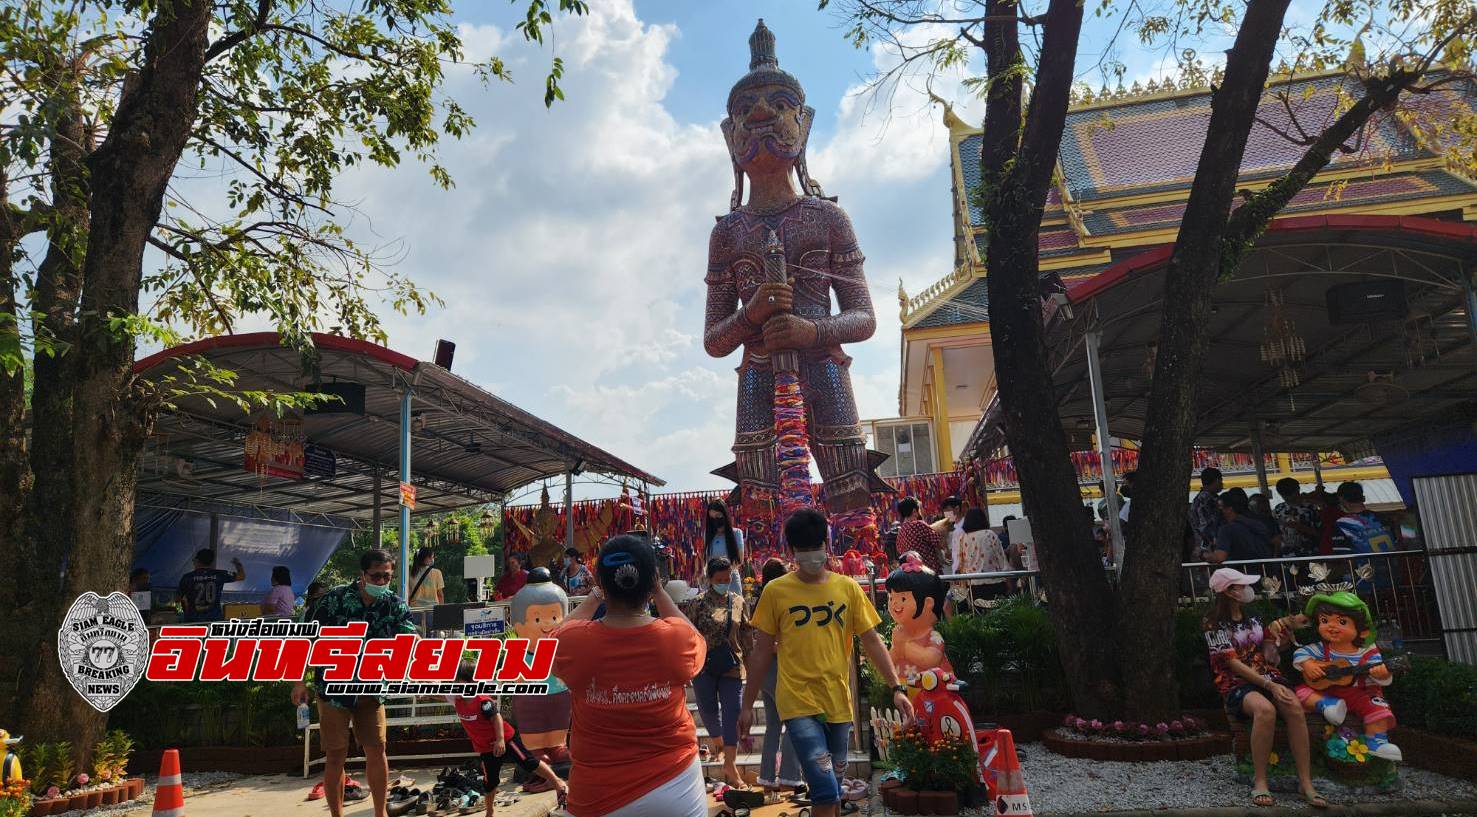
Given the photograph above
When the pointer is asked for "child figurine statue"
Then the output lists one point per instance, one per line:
(543, 720)
(12, 771)
(915, 599)
(1344, 671)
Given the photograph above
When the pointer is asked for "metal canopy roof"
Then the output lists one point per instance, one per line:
(468, 447)
(1428, 359)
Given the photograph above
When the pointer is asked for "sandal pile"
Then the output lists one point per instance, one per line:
(457, 791)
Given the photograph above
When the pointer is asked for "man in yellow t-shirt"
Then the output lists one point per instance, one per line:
(814, 614)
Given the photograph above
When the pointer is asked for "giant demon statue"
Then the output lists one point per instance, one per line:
(773, 263)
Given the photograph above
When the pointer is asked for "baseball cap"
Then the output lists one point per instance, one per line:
(1351, 492)
(1226, 576)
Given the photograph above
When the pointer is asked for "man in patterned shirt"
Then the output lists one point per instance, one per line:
(1297, 518)
(1205, 510)
(370, 598)
(916, 535)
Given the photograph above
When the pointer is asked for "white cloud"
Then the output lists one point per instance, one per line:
(571, 253)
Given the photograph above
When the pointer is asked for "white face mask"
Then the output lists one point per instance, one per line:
(1244, 594)
(810, 562)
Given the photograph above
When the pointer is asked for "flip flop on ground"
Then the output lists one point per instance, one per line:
(1261, 798)
(1314, 799)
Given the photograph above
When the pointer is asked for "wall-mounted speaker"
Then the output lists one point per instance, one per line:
(445, 351)
(350, 398)
(1367, 301)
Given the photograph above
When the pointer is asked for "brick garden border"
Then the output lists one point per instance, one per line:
(1196, 748)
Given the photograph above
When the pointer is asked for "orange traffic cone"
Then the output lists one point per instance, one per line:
(169, 793)
(1003, 776)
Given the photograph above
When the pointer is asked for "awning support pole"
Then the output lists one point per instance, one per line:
(568, 511)
(378, 497)
(405, 480)
(1104, 444)
(1260, 458)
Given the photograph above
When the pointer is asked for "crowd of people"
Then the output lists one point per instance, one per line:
(1231, 525)
(630, 650)
(628, 653)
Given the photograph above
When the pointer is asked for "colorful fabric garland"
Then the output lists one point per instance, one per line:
(680, 519)
(792, 453)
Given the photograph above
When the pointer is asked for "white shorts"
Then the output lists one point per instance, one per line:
(684, 795)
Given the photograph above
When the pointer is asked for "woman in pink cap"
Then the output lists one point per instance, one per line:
(1243, 662)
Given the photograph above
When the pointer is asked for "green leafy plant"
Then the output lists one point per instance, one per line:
(1436, 695)
(40, 760)
(64, 763)
(1008, 657)
(104, 759)
(909, 753)
(946, 764)
(955, 764)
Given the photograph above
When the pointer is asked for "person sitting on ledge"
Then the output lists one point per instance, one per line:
(1243, 663)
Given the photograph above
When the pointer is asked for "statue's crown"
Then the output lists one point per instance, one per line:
(764, 66)
(761, 48)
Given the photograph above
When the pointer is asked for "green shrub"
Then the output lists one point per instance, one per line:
(225, 713)
(1008, 657)
(1436, 695)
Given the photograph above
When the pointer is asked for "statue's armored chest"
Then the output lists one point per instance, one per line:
(805, 234)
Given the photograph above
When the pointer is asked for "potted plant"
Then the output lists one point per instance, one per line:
(123, 748)
(932, 771)
(110, 762)
(103, 761)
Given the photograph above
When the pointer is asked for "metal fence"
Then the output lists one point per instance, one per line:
(1395, 584)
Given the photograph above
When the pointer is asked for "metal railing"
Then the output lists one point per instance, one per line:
(1395, 584)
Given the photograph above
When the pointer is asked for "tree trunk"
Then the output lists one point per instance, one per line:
(1017, 158)
(15, 469)
(130, 171)
(1150, 579)
(49, 528)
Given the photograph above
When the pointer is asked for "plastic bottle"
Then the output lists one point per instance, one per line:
(1396, 636)
(302, 716)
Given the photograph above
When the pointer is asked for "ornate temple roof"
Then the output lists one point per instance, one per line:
(1128, 158)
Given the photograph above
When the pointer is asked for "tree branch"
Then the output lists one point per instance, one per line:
(1251, 218)
(235, 38)
(1046, 115)
(276, 186)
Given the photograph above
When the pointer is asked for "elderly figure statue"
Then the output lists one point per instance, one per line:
(543, 720)
(766, 129)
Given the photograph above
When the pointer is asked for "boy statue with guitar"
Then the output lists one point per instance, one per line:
(1344, 672)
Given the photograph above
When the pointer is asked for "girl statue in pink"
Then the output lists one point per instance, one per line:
(915, 598)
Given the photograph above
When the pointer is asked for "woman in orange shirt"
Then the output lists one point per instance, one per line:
(632, 742)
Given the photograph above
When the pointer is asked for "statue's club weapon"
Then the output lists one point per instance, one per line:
(792, 452)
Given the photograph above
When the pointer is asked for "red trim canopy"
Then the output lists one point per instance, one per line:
(468, 446)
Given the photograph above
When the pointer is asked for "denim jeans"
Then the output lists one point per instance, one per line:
(822, 750)
(774, 729)
(718, 700)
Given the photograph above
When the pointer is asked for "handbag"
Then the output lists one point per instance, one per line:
(721, 660)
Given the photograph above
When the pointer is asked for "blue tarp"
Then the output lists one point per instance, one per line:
(1440, 446)
(165, 542)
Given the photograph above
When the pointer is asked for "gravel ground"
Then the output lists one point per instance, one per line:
(1064, 784)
